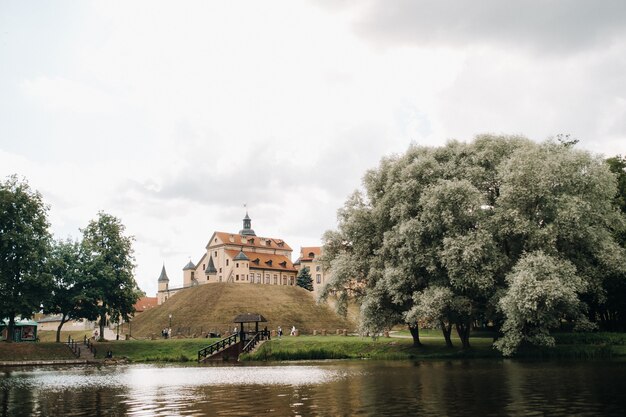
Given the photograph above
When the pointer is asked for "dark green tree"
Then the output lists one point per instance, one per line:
(109, 257)
(612, 313)
(24, 246)
(70, 284)
(304, 279)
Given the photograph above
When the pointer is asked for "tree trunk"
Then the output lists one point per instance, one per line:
(415, 333)
(63, 317)
(447, 330)
(463, 329)
(103, 320)
(10, 327)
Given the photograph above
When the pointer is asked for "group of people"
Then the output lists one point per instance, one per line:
(280, 331)
(166, 333)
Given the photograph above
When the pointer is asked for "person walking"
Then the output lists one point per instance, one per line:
(280, 332)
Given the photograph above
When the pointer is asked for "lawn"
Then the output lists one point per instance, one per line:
(161, 350)
(31, 351)
(50, 335)
(356, 347)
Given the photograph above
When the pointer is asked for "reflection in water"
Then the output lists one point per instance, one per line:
(341, 388)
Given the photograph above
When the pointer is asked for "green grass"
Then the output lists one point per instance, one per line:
(160, 350)
(31, 351)
(354, 347)
(569, 346)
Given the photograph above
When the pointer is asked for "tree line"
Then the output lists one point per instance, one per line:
(91, 278)
(504, 232)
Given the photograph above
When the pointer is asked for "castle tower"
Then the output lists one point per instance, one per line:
(210, 270)
(188, 274)
(163, 287)
(247, 226)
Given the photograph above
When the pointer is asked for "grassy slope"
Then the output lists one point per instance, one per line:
(172, 350)
(212, 307)
(34, 351)
(50, 335)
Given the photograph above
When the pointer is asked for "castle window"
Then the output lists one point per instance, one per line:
(220, 278)
(191, 274)
(203, 268)
(275, 279)
(290, 280)
(317, 268)
(318, 278)
(283, 264)
(226, 262)
(237, 264)
(237, 277)
(220, 269)
(311, 255)
(284, 280)
(216, 254)
(269, 262)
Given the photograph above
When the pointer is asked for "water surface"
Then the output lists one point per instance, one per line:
(336, 388)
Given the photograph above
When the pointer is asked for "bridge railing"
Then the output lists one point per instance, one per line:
(262, 335)
(74, 346)
(216, 347)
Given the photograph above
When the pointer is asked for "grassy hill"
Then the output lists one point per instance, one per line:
(212, 307)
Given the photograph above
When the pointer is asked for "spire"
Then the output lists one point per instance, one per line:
(210, 268)
(189, 265)
(247, 226)
(163, 277)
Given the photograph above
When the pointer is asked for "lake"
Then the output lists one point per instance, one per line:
(331, 388)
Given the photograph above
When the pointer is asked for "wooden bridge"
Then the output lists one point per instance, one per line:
(244, 341)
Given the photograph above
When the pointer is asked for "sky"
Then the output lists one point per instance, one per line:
(171, 115)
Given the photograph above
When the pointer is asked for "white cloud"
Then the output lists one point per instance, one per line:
(171, 116)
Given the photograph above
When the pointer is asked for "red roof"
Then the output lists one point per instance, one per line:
(145, 303)
(254, 241)
(265, 261)
(307, 251)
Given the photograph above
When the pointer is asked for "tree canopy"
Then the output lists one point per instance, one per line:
(70, 289)
(452, 236)
(24, 247)
(110, 266)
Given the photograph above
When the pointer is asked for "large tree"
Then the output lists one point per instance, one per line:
(439, 230)
(71, 290)
(24, 246)
(110, 266)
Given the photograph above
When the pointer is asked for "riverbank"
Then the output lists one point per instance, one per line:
(569, 346)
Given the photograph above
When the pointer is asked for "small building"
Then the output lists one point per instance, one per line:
(52, 322)
(24, 330)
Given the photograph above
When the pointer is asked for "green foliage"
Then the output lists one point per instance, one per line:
(24, 247)
(109, 255)
(542, 291)
(304, 279)
(439, 231)
(70, 284)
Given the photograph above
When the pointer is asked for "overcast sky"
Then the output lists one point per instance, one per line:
(172, 115)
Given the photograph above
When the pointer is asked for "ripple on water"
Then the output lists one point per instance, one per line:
(154, 377)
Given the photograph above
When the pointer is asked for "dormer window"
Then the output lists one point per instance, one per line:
(268, 262)
(256, 261)
(311, 255)
(251, 241)
(283, 264)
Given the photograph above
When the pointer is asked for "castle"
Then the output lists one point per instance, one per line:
(245, 258)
